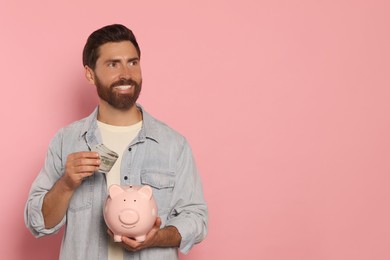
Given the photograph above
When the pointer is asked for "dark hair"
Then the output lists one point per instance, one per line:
(109, 33)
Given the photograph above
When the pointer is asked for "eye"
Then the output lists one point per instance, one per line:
(133, 63)
(135, 200)
(111, 64)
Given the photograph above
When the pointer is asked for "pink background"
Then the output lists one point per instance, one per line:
(285, 103)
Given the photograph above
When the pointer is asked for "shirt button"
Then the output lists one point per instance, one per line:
(125, 178)
(129, 149)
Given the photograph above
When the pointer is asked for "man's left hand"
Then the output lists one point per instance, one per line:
(132, 245)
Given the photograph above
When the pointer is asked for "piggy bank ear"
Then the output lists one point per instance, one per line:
(115, 190)
(146, 191)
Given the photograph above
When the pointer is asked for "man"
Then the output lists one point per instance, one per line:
(70, 191)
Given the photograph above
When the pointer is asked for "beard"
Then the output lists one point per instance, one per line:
(118, 100)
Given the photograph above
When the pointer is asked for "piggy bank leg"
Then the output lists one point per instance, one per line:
(140, 238)
(117, 238)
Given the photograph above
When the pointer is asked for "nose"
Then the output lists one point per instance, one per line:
(128, 217)
(125, 73)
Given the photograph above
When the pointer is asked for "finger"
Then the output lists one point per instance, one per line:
(78, 173)
(127, 243)
(83, 154)
(86, 172)
(130, 243)
(158, 222)
(85, 162)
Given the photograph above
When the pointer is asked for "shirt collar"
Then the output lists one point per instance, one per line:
(149, 125)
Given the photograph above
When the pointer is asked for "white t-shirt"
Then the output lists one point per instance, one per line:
(117, 138)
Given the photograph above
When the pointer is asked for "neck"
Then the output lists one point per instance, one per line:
(112, 116)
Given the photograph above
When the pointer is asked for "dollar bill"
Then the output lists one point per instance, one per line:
(107, 157)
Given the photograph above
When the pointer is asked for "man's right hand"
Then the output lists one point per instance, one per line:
(78, 166)
(55, 203)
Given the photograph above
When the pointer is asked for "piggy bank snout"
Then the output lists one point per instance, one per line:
(128, 217)
(130, 211)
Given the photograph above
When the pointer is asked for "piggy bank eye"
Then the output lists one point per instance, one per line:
(124, 199)
(135, 200)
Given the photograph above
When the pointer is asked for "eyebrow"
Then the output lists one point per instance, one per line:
(119, 60)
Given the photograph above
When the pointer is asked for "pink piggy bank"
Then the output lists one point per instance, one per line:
(130, 211)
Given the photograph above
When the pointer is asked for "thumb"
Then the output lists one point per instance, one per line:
(158, 222)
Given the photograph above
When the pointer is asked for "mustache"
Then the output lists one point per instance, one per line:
(123, 82)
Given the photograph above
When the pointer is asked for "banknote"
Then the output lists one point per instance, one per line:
(107, 157)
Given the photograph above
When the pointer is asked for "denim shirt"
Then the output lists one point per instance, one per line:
(158, 157)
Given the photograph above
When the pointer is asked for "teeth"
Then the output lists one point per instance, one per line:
(123, 87)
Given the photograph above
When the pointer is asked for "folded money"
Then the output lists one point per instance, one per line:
(107, 157)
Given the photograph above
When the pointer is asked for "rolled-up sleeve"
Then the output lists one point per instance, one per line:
(45, 180)
(189, 214)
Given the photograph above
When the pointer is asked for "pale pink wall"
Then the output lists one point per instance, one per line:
(286, 104)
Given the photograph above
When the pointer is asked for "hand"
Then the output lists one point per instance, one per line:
(151, 239)
(78, 166)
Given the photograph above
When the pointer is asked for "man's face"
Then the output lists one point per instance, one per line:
(117, 74)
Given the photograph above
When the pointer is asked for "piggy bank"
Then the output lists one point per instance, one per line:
(130, 211)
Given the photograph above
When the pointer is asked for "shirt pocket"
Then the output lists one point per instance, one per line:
(83, 196)
(162, 183)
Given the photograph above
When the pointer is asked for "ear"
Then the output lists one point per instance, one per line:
(114, 190)
(89, 74)
(146, 191)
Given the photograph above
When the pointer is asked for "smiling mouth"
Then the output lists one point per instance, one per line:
(124, 87)
(127, 227)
